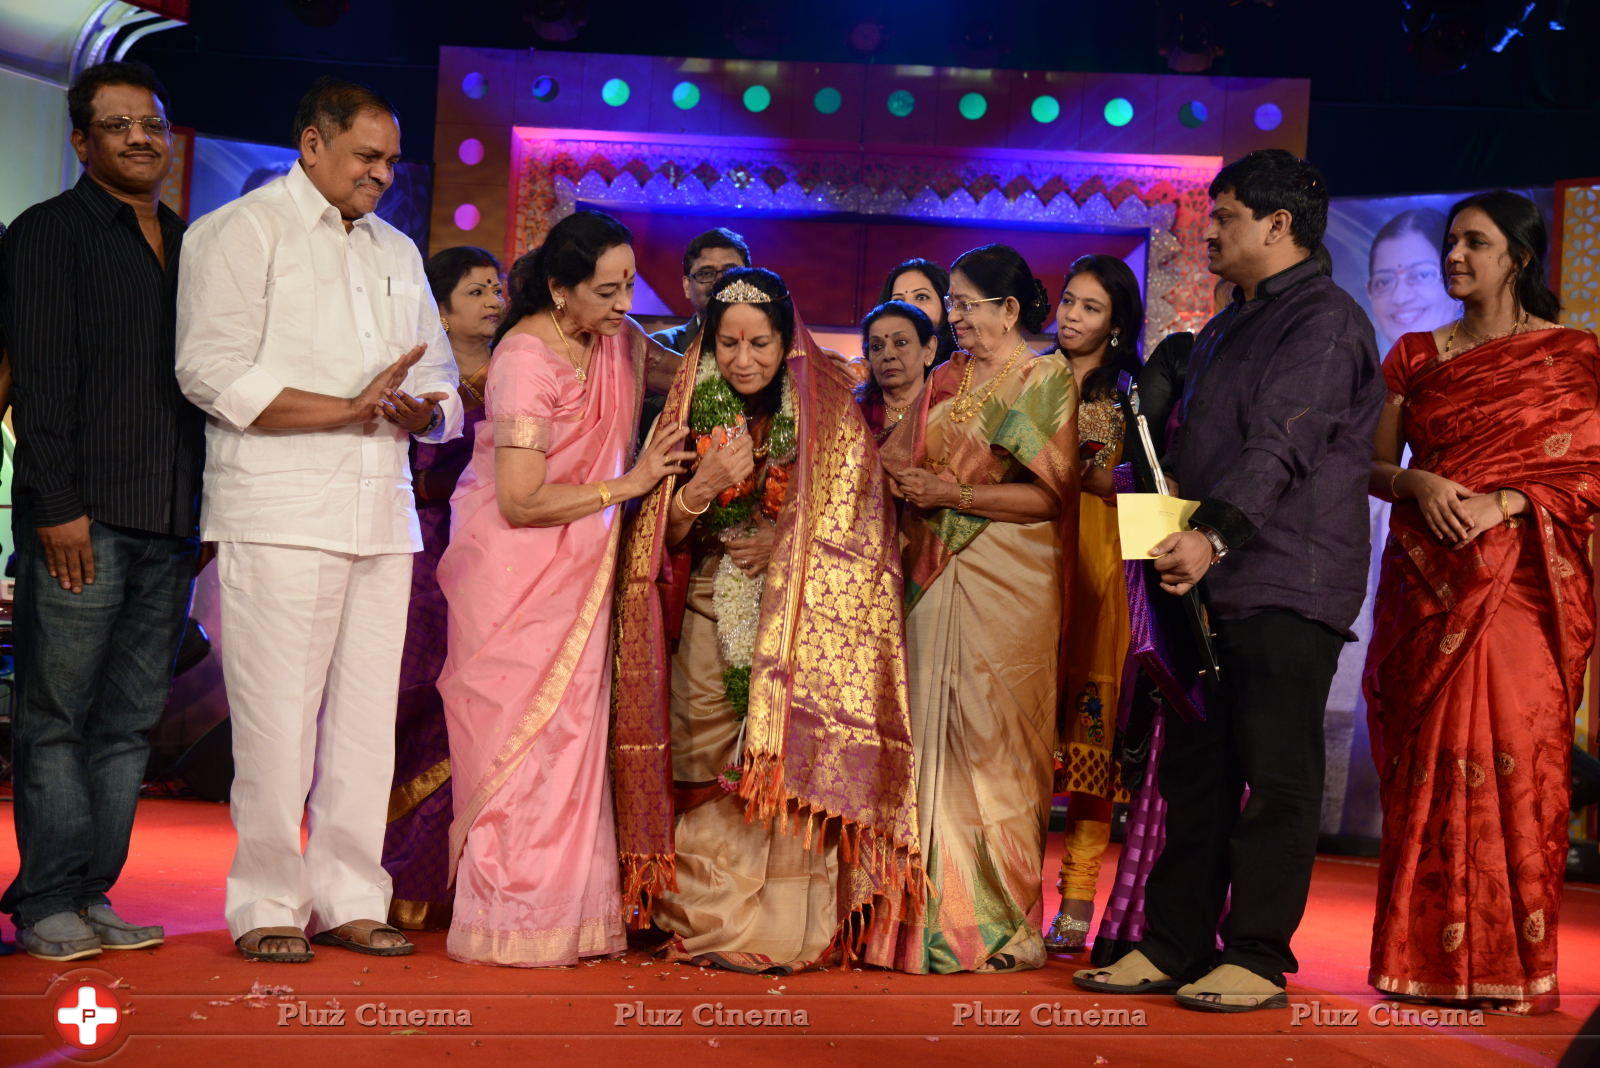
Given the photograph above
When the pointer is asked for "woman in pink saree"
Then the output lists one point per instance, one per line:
(528, 576)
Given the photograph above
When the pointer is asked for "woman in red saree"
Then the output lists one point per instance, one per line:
(1484, 622)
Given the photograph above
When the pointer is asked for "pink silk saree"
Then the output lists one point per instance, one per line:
(527, 682)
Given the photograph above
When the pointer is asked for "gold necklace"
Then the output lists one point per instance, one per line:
(581, 372)
(1461, 324)
(965, 405)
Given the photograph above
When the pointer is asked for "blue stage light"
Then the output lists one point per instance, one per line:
(901, 103)
(1045, 109)
(757, 98)
(828, 100)
(686, 95)
(615, 92)
(973, 106)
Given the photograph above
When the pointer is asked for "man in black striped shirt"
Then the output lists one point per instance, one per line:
(108, 464)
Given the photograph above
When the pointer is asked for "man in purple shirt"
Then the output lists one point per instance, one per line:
(1281, 400)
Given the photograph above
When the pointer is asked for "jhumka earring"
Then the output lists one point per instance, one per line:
(444, 323)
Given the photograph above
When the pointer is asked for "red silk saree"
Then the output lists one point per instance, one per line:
(1476, 667)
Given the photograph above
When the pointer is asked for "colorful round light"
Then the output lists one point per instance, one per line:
(615, 92)
(757, 98)
(545, 88)
(901, 103)
(1269, 117)
(467, 217)
(686, 95)
(475, 86)
(1119, 111)
(470, 152)
(828, 100)
(1193, 114)
(1045, 109)
(972, 106)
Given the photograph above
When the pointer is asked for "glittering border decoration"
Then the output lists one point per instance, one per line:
(1169, 201)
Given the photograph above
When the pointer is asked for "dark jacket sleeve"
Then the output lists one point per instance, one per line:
(1161, 383)
(38, 305)
(1320, 379)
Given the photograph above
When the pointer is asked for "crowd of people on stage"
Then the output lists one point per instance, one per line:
(565, 636)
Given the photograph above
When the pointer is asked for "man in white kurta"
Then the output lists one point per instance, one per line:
(298, 311)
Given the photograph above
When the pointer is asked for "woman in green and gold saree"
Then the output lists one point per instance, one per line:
(987, 465)
(761, 746)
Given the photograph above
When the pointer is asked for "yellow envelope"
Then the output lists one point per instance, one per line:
(1144, 519)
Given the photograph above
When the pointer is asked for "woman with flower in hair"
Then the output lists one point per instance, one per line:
(987, 464)
(779, 718)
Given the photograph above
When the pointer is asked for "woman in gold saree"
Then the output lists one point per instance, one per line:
(761, 747)
(988, 466)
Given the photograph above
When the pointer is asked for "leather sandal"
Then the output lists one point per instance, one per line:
(356, 936)
(1230, 988)
(249, 944)
(1133, 974)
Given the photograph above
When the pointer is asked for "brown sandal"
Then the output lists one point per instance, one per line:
(363, 930)
(1231, 988)
(249, 944)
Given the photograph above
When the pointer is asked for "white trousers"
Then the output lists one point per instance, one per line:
(311, 647)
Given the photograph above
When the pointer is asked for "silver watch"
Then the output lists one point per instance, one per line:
(1219, 548)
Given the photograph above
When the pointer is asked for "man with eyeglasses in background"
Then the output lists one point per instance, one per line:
(108, 468)
(708, 257)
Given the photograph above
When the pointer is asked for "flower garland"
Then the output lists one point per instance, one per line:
(716, 413)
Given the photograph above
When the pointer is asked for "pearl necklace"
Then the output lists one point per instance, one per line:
(966, 405)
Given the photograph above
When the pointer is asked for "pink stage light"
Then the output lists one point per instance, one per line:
(470, 152)
(467, 217)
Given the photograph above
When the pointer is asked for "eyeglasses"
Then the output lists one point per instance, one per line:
(707, 275)
(955, 304)
(1383, 282)
(155, 126)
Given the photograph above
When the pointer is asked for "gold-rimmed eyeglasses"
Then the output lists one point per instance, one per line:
(954, 304)
(154, 125)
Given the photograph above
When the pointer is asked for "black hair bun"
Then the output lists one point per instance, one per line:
(1037, 310)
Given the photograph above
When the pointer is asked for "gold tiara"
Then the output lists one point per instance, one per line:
(742, 292)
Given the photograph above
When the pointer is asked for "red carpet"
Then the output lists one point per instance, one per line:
(187, 1002)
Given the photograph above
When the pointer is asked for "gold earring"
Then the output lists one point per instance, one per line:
(444, 323)
(561, 305)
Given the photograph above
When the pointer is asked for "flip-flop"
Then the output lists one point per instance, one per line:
(1083, 978)
(256, 936)
(332, 937)
(1231, 981)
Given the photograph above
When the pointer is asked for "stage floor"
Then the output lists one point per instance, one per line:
(191, 1000)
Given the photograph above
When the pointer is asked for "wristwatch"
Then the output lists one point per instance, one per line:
(1219, 548)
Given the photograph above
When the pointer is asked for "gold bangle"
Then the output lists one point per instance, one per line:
(1394, 481)
(1505, 505)
(605, 494)
(678, 498)
(964, 504)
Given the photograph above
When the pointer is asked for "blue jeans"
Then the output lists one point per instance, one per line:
(93, 673)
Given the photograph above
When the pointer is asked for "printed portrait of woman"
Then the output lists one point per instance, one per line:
(1405, 286)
